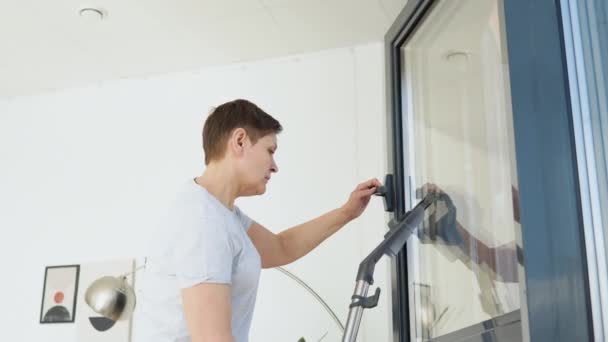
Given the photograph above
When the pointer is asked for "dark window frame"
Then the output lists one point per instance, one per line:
(550, 212)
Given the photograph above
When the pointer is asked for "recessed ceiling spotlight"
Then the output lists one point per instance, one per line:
(92, 14)
(456, 56)
(459, 60)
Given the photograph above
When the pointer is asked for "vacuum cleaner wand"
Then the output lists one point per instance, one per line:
(394, 240)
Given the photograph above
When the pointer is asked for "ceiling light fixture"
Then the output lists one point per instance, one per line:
(459, 60)
(92, 14)
(458, 56)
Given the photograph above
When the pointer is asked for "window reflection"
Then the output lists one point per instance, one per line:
(466, 263)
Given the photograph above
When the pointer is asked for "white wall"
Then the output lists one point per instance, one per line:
(85, 172)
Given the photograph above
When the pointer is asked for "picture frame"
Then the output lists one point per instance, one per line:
(59, 294)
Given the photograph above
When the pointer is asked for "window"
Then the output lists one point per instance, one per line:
(586, 41)
(463, 267)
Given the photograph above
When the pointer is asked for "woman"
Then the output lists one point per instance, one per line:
(204, 264)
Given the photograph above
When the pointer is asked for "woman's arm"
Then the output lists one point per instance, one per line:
(207, 312)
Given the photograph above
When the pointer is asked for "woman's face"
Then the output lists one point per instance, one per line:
(257, 164)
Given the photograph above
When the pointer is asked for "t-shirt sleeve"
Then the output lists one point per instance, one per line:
(245, 220)
(203, 252)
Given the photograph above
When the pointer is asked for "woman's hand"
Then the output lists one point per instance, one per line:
(359, 198)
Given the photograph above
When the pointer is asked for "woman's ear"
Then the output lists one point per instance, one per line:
(238, 137)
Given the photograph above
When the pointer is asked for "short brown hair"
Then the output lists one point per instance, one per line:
(229, 116)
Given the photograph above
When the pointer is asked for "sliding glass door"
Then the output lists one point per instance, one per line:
(481, 117)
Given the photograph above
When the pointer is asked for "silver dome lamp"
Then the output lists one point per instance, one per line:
(112, 297)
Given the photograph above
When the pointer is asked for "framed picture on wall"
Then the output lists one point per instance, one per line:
(59, 294)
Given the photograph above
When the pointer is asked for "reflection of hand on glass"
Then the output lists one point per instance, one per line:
(500, 259)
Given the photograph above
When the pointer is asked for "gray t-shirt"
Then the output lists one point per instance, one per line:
(200, 241)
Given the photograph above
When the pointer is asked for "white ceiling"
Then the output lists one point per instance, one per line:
(46, 45)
